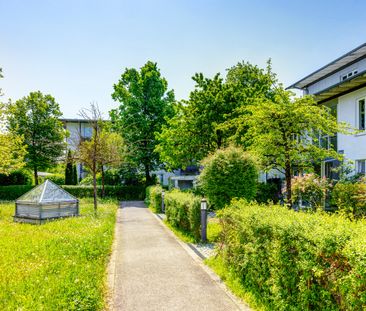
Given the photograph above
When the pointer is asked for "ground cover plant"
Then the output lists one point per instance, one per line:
(60, 265)
(292, 260)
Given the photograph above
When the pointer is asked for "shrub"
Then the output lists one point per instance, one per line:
(183, 211)
(8, 193)
(269, 191)
(295, 260)
(58, 179)
(350, 197)
(20, 177)
(310, 189)
(228, 173)
(153, 198)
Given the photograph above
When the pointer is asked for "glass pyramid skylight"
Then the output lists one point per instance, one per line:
(48, 192)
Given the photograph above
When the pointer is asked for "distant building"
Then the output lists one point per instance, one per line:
(79, 130)
(341, 86)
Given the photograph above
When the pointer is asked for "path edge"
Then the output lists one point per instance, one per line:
(199, 261)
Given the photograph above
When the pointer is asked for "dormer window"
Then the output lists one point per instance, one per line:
(349, 75)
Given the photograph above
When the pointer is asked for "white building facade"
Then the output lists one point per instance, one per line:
(79, 130)
(341, 85)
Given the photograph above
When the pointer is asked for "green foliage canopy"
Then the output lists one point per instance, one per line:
(210, 118)
(284, 133)
(145, 103)
(228, 173)
(36, 118)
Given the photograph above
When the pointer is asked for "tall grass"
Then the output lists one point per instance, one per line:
(60, 265)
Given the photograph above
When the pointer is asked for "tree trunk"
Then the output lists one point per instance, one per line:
(147, 174)
(288, 177)
(35, 175)
(102, 172)
(95, 191)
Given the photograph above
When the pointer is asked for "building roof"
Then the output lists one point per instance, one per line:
(76, 120)
(48, 192)
(341, 62)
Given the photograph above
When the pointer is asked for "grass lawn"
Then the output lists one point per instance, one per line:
(60, 265)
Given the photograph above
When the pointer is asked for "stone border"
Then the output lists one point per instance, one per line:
(198, 258)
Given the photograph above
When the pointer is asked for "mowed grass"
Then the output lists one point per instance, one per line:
(60, 265)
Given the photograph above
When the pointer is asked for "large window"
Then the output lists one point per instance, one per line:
(361, 114)
(361, 167)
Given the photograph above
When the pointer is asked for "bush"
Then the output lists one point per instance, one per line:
(183, 211)
(227, 174)
(310, 189)
(350, 197)
(295, 260)
(20, 177)
(153, 198)
(8, 193)
(58, 179)
(269, 191)
(11, 193)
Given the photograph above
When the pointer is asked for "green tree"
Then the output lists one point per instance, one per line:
(36, 118)
(70, 170)
(145, 103)
(284, 133)
(112, 152)
(12, 149)
(210, 118)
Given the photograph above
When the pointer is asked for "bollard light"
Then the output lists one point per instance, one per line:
(203, 204)
(204, 220)
(162, 201)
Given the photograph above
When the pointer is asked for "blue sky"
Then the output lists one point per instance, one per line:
(76, 50)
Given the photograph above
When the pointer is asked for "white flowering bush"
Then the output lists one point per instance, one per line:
(310, 188)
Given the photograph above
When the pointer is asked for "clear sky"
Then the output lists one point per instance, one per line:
(76, 50)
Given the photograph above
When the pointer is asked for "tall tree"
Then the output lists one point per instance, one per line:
(12, 149)
(89, 150)
(69, 170)
(284, 133)
(194, 131)
(204, 123)
(145, 103)
(36, 118)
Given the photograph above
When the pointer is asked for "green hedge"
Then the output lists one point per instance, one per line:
(295, 260)
(8, 193)
(153, 198)
(182, 211)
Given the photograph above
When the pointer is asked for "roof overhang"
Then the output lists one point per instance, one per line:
(341, 62)
(342, 88)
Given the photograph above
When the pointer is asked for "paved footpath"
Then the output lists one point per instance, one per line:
(150, 270)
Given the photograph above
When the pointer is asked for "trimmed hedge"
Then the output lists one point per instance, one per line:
(228, 173)
(153, 198)
(295, 260)
(8, 193)
(182, 211)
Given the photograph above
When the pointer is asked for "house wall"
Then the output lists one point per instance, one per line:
(354, 146)
(336, 77)
(77, 130)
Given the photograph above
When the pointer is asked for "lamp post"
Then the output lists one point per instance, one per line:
(204, 220)
(162, 201)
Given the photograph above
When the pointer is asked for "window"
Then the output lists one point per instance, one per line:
(349, 75)
(361, 114)
(361, 167)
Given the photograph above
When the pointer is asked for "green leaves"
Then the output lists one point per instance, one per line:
(228, 173)
(145, 103)
(36, 118)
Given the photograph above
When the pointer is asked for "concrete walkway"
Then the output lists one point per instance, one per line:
(150, 270)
